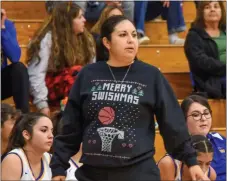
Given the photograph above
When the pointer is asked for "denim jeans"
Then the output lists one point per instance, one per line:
(145, 10)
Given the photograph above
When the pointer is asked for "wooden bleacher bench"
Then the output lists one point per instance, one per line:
(158, 34)
(25, 9)
(155, 30)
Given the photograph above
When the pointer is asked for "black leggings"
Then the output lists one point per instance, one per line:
(15, 82)
(145, 170)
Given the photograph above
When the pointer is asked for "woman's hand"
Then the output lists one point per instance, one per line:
(3, 18)
(197, 173)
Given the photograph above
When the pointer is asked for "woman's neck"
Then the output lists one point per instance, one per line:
(212, 26)
(119, 63)
(34, 157)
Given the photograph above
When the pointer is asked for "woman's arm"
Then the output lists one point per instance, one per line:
(11, 167)
(37, 73)
(167, 168)
(172, 123)
(68, 142)
(9, 42)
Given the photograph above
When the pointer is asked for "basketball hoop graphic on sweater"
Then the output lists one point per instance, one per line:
(107, 135)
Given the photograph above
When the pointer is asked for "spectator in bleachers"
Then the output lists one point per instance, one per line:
(111, 109)
(169, 10)
(172, 169)
(8, 118)
(198, 116)
(95, 30)
(56, 53)
(14, 77)
(27, 157)
(93, 9)
(205, 48)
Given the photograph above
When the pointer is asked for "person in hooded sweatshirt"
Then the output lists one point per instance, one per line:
(205, 49)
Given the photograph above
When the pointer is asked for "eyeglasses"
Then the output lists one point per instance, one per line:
(197, 116)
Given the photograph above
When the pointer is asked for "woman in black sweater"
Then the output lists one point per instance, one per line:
(111, 110)
(205, 48)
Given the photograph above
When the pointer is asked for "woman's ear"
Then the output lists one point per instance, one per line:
(26, 135)
(106, 43)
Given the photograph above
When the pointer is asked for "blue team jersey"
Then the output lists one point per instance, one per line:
(219, 159)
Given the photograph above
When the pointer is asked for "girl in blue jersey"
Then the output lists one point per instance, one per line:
(27, 157)
(172, 169)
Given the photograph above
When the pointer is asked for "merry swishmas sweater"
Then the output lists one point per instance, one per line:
(115, 121)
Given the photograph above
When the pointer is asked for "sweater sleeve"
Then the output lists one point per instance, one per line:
(68, 142)
(172, 123)
(9, 42)
(197, 56)
(37, 73)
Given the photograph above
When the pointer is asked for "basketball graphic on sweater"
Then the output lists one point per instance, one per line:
(106, 115)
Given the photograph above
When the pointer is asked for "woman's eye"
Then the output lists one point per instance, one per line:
(195, 115)
(44, 130)
(122, 35)
(134, 35)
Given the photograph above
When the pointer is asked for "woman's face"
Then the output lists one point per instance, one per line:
(79, 23)
(124, 42)
(198, 124)
(204, 160)
(114, 12)
(212, 12)
(42, 138)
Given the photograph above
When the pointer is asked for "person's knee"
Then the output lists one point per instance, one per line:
(19, 69)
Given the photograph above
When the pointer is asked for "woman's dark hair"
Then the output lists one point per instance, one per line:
(8, 112)
(201, 144)
(24, 122)
(200, 22)
(57, 124)
(106, 31)
(187, 102)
